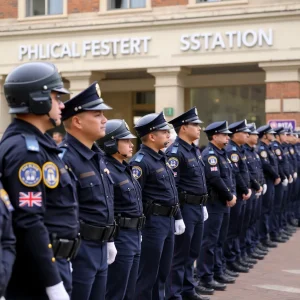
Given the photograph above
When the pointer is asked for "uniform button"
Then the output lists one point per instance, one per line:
(128, 189)
(91, 184)
(49, 246)
(53, 259)
(66, 167)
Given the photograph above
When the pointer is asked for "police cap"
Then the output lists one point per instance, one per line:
(217, 127)
(240, 126)
(190, 116)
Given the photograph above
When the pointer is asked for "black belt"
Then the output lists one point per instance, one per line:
(157, 209)
(192, 199)
(131, 223)
(97, 233)
(64, 248)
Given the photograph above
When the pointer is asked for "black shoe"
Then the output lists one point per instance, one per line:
(256, 256)
(269, 244)
(242, 263)
(231, 273)
(291, 228)
(233, 266)
(224, 279)
(287, 233)
(259, 252)
(217, 286)
(262, 247)
(250, 260)
(195, 297)
(277, 239)
(284, 236)
(203, 290)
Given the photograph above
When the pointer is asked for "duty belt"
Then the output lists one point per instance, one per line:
(157, 209)
(131, 223)
(192, 199)
(64, 248)
(97, 233)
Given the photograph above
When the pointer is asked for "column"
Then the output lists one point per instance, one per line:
(282, 90)
(169, 89)
(81, 80)
(5, 117)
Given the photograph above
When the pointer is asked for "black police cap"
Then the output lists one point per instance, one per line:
(190, 116)
(240, 126)
(264, 130)
(217, 127)
(28, 87)
(252, 128)
(280, 130)
(150, 123)
(88, 100)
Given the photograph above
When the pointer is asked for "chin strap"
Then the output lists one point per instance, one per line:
(124, 155)
(53, 122)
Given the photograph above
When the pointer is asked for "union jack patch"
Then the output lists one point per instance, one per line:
(30, 199)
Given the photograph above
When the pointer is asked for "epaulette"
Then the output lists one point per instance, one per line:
(175, 148)
(275, 144)
(234, 148)
(63, 149)
(211, 151)
(31, 143)
(139, 157)
(262, 147)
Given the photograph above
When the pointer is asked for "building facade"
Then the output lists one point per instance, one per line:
(232, 59)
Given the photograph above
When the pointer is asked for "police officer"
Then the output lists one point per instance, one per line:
(128, 208)
(39, 185)
(236, 154)
(276, 231)
(7, 240)
(160, 202)
(185, 160)
(222, 196)
(271, 172)
(84, 123)
(250, 240)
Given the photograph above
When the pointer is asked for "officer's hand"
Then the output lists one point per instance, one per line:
(265, 187)
(246, 197)
(285, 182)
(277, 181)
(260, 190)
(179, 227)
(295, 175)
(57, 292)
(232, 202)
(111, 252)
(291, 179)
(205, 213)
(257, 195)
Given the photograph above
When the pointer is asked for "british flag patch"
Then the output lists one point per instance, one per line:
(30, 199)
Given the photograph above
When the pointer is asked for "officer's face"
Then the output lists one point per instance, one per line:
(252, 139)
(241, 137)
(160, 138)
(221, 139)
(57, 106)
(193, 131)
(270, 137)
(283, 138)
(125, 147)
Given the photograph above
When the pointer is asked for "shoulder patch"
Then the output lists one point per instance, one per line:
(137, 172)
(211, 152)
(50, 175)
(5, 199)
(173, 162)
(30, 174)
(262, 147)
(275, 144)
(263, 154)
(139, 157)
(63, 152)
(31, 143)
(212, 160)
(233, 148)
(175, 148)
(234, 157)
(278, 151)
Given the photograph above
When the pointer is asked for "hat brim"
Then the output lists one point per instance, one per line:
(254, 132)
(101, 106)
(246, 130)
(226, 131)
(271, 131)
(61, 90)
(164, 127)
(128, 136)
(196, 122)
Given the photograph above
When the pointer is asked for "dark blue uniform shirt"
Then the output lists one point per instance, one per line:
(186, 162)
(43, 195)
(218, 172)
(155, 177)
(293, 158)
(127, 190)
(237, 156)
(283, 164)
(95, 184)
(286, 153)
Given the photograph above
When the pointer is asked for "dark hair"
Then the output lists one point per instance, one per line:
(177, 129)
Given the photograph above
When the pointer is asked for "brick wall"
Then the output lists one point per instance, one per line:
(80, 6)
(280, 90)
(168, 2)
(8, 9)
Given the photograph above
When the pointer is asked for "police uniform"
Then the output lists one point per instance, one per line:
(186, 162)
(95, 198)
(128, 208)
(237, 157)
(297, 150)
(160, 201)
(221, 188)
(271, 173)
(7, 240)
(40, 187)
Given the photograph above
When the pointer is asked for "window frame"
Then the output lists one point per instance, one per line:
(104, 9)
(22, 12)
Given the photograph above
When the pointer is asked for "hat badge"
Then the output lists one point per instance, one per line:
(98, 90)
(126, 125)
(196, 111)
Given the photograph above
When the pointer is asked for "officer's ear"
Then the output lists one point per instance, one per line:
(77, 122)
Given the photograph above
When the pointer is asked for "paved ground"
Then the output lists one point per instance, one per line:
(275, 277)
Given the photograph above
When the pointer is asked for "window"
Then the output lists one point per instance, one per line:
(44, 7)
(125, 4)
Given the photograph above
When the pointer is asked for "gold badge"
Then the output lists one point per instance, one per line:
(137, 172)
(50, 175)
(212, 160)
(234, 157)
(30, 174)
(98, 90)
(173, 162)
(263, 154)
(278, 152)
